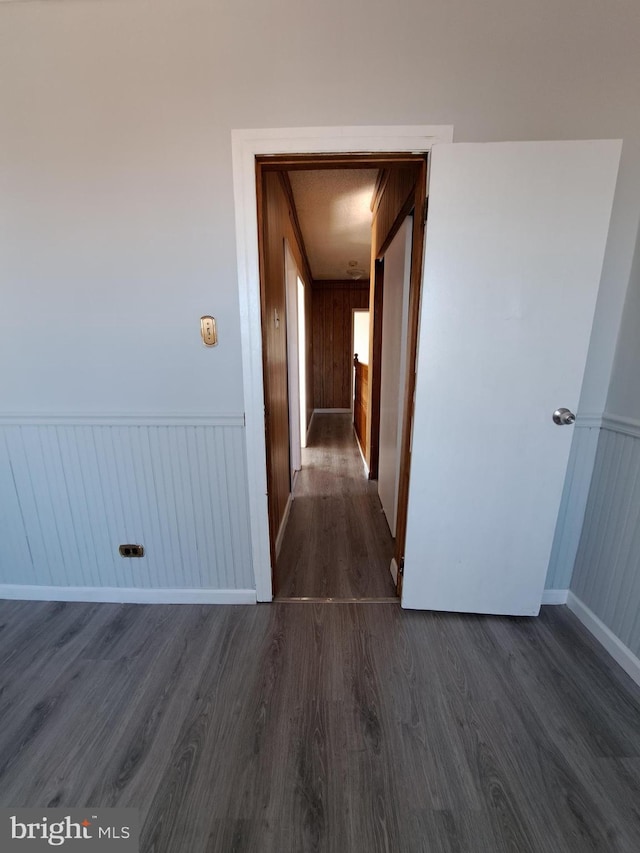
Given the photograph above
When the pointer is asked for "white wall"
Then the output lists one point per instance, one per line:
(116, 205)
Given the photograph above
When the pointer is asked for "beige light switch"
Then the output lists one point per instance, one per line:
(208, 331)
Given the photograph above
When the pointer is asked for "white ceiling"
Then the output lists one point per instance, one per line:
(334, 211)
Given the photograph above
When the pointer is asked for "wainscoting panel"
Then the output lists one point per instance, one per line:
(573, 503)
(72, 492)
(606, 577)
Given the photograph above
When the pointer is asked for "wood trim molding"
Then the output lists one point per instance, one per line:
(295, 224)
(396, 202)
(378, 191)
(318, 162)
(405, 210)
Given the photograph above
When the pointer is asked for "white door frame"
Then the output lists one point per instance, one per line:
(246, 146)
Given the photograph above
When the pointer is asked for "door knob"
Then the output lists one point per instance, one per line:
(563, 417)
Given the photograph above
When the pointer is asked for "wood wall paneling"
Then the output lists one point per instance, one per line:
(277, 222)
(395, 202)
(332, 312)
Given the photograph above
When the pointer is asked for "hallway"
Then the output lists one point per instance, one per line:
(337, 542)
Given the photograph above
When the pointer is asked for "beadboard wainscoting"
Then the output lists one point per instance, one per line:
(606, 577)
(73, 489)
(573, 505)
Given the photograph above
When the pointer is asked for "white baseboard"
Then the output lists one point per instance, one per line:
(283, 525)
(616, 648)
(555, 596)
(127, 595)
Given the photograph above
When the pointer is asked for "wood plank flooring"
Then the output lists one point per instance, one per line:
(337, 542)
(348, 728)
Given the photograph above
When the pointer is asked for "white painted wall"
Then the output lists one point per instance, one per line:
(116, 202)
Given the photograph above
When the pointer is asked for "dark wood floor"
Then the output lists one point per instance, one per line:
(337, 542)
(351, 728)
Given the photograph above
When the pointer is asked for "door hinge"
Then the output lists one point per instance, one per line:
(425, 210)
(401, 566)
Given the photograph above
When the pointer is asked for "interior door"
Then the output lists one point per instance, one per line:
(393, 365)
(515, 242)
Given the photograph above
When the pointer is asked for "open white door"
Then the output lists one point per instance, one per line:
(514, 249)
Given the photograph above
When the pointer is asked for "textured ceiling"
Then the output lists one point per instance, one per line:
(334, 211)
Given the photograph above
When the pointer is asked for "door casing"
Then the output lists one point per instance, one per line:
(246, 146)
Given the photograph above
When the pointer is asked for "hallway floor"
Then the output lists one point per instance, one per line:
(337, 542)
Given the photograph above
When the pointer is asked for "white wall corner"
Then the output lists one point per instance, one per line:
(619, 652)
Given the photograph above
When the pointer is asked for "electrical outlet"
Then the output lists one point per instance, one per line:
(131, 551)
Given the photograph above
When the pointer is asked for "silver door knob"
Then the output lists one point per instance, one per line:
(563, 417)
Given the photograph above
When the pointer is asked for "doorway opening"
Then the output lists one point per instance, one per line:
(327, 227)
(296, 143)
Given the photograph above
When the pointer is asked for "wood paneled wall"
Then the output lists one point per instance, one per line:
(277, 223)
(332, 308)
(392, 203)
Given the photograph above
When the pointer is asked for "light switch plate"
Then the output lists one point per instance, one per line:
(208, 331)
